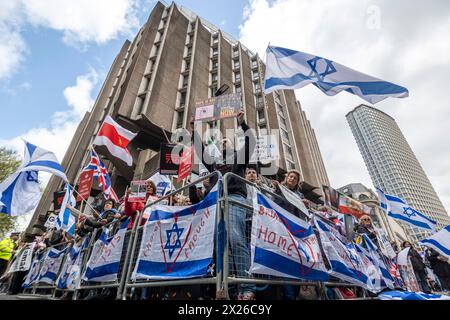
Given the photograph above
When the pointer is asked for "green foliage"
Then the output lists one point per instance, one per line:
(9, 162)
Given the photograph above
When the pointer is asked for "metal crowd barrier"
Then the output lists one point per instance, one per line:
(221, 278)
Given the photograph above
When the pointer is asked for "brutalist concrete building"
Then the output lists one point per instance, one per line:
(176, 60)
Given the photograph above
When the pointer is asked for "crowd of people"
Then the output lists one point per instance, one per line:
(109, 214)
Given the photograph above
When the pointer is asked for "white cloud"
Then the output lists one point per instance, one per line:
(84, 20)
(81, 22)
(381, 38)
(79, 96)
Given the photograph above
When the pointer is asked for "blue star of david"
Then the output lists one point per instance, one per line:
(409, 212)
(329, 69)
(177, 243)
(32, 176)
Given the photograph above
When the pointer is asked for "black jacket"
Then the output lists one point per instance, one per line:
(234, 186)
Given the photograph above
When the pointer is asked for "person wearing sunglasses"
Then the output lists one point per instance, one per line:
(365, 226)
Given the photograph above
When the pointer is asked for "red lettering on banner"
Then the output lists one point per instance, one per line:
(192, 243)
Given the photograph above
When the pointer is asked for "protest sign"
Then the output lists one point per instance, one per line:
(221, 107)
(138, 191)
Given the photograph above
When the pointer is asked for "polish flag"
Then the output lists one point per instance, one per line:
(116, 140)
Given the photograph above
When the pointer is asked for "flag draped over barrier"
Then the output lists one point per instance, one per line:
(378, 261)
(22, 260)
(346, 259)
(116, 140)
(33, 274)
(440, 241)
(178, 242)
(284, 245)
(408, 295)
(397, 208)
(51, 265)
(104, 261)
(289, 69)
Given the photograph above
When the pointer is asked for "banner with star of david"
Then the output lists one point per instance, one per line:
(178, 241)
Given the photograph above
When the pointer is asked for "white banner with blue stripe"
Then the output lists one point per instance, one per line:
(408, 295)
(379, 262)
(104, 261)
(51, 265)
(290, 69)
(440, 241)
(33, 274)
(397, 208)
(347, 262)
(178, 242)
(283, 245)
(70, 275)
(65, 220)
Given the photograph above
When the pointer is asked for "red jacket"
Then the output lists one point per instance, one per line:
(130, 210)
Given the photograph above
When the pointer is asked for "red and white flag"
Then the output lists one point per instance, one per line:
(116, 140)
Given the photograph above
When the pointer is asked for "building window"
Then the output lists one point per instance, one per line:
(255, 75)
(261, 115)
(180, 115)
(238, 89)
(263, 130)
(213, 90)
(290, 165)
(183, 99)
(214, 77)
(254, 64)
(215, 64)
(236, 65)
(189, 51)
(215, 52)
(237, 77)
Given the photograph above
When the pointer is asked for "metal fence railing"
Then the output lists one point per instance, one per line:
(231, 260)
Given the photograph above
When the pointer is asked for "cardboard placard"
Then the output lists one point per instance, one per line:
(138, 191)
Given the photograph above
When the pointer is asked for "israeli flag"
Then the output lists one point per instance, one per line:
(397, 208)
(289, 69)
(51, 265)
(283, 245)
(408, 295)
(440, 241)
(104, 261)
(178, 241)
(65, 220)
(345, 261)
(33, 274)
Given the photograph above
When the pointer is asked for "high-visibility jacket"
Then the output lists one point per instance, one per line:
(6, 248)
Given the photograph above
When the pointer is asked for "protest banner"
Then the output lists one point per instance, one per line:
(185, 163)
(22, 260)
(51, 265)
(168, 162)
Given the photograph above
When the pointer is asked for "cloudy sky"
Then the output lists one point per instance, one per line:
(54, 56)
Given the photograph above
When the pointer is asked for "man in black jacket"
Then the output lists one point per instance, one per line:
(441, 268)
(418, 266)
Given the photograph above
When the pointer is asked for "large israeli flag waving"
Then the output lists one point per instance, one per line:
(178, 241)
(289, 69)
(65, 219)
(440, 241)
(397, 208)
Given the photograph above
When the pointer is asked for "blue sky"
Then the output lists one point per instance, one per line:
(36, 88)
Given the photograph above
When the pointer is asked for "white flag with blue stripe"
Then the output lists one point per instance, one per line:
(283, 245)
(346, 262)
(65, 220)
(104, 261)
(379, 262)
(289, 69)
(178, 241)
(42, 160)
(397, 208)
(51, 265)
(408, 295)
(33, 274)
(440, 241)
(69, 277)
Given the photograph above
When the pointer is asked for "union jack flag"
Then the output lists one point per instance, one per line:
(102, 176)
